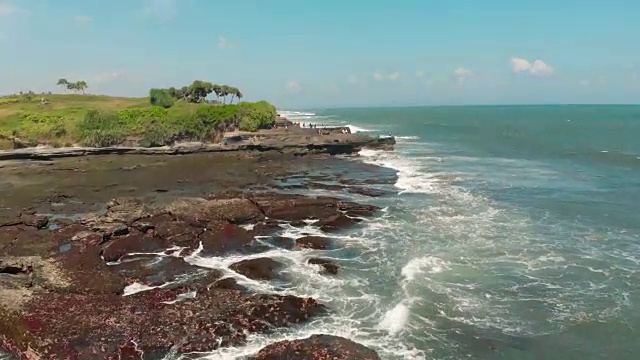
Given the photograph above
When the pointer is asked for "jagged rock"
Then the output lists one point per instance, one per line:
(314, 242)
(329, 266)
(37, 221)
(133, 243)
(236, 211)
(316, 347)
(258, 268)
(336, 223)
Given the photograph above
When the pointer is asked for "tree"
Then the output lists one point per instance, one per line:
(161, 97)
(217, 89)
(62, 82)
(72, 86)
(199, 90)
(233, 92)
(239, 95)
(224, 91)
(81, 85)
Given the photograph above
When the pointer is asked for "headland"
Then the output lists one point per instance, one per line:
(105, 256)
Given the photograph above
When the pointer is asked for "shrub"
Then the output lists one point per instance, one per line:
(254, 116)
(157, 135)
(41, 125)
(135, 118)
(161, 97)
(100, 129)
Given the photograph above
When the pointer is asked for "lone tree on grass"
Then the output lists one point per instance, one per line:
(63, 82)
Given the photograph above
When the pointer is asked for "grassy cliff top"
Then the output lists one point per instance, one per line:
(98, 120)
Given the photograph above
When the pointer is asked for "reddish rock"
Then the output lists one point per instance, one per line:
(222, 237)
(329, 266)
(316, 347)
(258, 269)
(133, 243)
(314, 242)
(105, 326)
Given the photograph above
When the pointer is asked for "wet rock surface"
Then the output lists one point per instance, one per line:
(317, 347)
(329, 266)
(68, 284)
(258, 269)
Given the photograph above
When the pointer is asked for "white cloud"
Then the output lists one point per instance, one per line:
(419, 74)
(82, 19)
(107, 77)
(538, 67)
(162, 10)
(294, 86)
(461, 74)
(520, 64)
(352, 79)
(223, 42)
(379, 76)
(7, 9)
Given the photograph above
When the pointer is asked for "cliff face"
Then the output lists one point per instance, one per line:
(298, 144)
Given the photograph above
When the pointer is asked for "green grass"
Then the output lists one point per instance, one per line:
(93, 120)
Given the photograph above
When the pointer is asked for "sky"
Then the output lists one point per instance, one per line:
(330, 53)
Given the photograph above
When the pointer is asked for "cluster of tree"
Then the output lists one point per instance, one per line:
(197, 92)
(74, 86)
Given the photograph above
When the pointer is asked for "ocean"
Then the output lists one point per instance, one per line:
(512, 232)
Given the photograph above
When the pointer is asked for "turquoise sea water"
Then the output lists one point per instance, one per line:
(514, 234)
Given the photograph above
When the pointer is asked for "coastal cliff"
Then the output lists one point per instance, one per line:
(296, 143)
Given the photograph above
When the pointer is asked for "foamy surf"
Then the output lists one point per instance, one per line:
(355, 311)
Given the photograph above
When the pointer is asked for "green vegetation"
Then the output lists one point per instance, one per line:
(166, 116)
(75, 86)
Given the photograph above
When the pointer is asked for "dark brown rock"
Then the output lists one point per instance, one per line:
(336, 223)
(258, 269)
(229, 284)
(314, 242)
(236, 211)
(316, 347)
(329, 266)
(367, 191)
(293, 208)
(133, 243)
(23, 240)
(37, 221)
(177, 232)
(156, 270)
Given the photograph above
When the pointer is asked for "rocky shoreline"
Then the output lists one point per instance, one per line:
(118, 279)
(304, 143)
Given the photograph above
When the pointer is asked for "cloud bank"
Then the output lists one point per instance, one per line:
(537, 67)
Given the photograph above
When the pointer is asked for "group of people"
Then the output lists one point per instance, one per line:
(310, 125)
